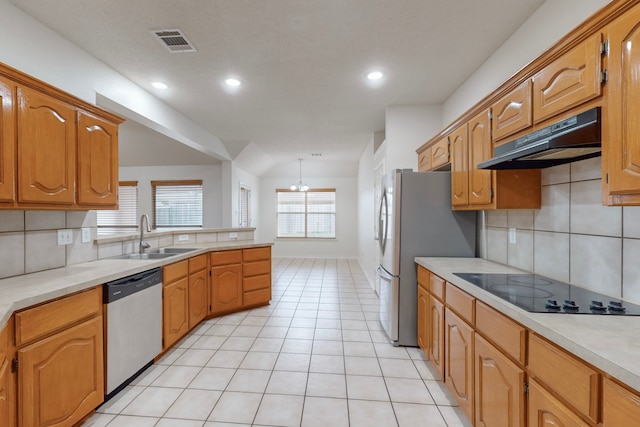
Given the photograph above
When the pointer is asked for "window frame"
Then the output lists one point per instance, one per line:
(174, 183)
(306, 213)
(244, 190)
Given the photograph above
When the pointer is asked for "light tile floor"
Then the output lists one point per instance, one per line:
(316, 356)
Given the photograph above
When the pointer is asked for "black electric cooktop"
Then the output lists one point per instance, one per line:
(539, 294)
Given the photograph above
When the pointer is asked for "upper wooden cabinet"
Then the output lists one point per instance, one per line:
(475, 189)
(97, 161)
(621, 130)
(46, 149)
(569, 81)
(424, 160)
(7, 141)
(56, 151)
(512, 112)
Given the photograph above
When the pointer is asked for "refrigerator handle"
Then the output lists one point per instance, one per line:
(382, 223)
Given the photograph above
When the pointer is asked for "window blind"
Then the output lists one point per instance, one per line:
(176, 203)
(245, 206)
(126, 216)
(310, 214)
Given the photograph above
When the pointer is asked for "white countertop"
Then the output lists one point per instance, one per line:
(610, 343)
(23, 291)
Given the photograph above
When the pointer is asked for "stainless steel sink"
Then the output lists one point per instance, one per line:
(145, 256)
(172, 251)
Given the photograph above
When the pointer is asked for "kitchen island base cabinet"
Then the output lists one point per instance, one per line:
(621, 407)
(61, 377)
(546, 410)
(198, 287)
(499, 388)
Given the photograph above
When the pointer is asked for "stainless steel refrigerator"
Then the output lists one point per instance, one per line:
(415, 220)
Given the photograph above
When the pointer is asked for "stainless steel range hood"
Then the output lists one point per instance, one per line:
(570, 140)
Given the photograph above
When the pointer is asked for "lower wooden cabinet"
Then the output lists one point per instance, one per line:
(7, 378)
(436, 335)
(423, 320)
(499, 388)
(175, 302)
(620, 407)
(61, 378)
(226, 288)
(458, 350)
(198, 288)
(546, 410)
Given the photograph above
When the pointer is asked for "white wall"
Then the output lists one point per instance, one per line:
(345, 245)
(367, 244)
(407, 127)
(553, 20)
(211, 177)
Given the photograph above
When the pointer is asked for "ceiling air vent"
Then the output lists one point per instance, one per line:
(174, 40)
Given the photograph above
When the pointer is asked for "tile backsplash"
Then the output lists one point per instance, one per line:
(29, 240)
(572, 238)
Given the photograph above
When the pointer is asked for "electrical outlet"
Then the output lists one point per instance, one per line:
(183, 237)
(86, 235)
(233, 235)
(65, 237)
(512, 236)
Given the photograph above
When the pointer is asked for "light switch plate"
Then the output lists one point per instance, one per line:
(86, 235)
(183, 237)
(233, 235)
(65, 237)
(512, 236)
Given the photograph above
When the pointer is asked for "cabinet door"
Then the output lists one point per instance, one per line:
(424, 160)
(459, 167)
(436, 335)
(620, 406)
(621, 147)
(175, 311)
(7, 401)
(570, 80)
(423, 320)
(440, 153)
(7, 141)
(61, 378)
(480, 149)
(546, 411)
(198, 303)
(512, 112)
(499, 388)
(459, 361)
(46, 149)
(97, 161)
(226, 288)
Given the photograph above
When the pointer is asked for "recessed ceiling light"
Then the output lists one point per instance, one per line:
(233, 82)
(375, 75)
(159, 85)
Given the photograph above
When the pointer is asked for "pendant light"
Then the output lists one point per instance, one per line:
(300, 186)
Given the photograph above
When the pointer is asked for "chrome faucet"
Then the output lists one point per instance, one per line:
(144, 245)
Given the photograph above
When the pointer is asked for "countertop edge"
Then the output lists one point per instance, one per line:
(26, 290)
(578, 334)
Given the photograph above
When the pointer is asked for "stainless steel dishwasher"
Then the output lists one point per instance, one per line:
(133, 327)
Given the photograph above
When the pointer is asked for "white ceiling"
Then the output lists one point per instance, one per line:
(303, 64)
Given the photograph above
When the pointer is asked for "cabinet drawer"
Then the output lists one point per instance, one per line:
(226, 257)
(197, 263)
(256, 282)
(461, 302)
(620, 406)
(423, 277)
(567, 376)
(256, 268)
(37, 322)
(436, 286)
(424, 160)
(256, 254)
(260, 296)
(173, 272)
(504, 332)
(512, 112)
(440, 153)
